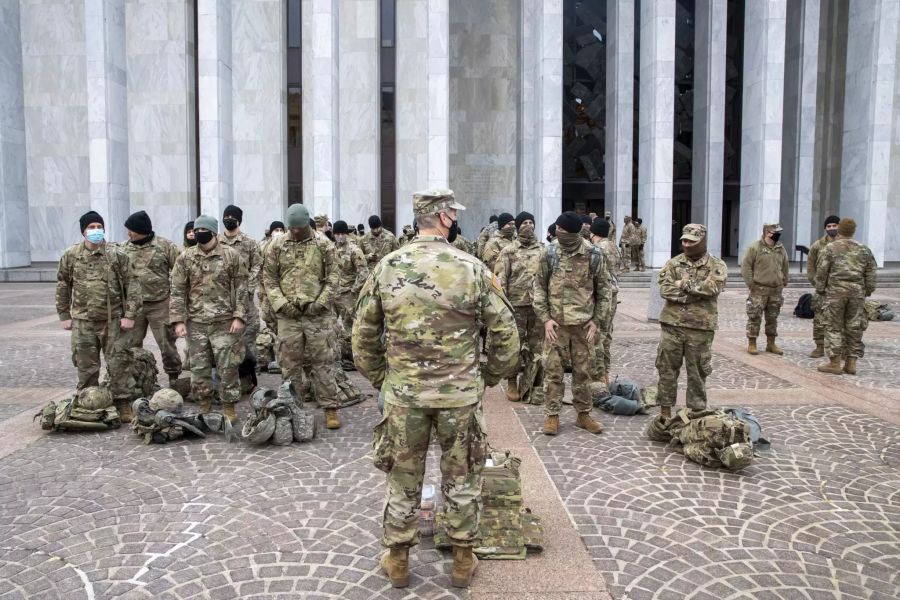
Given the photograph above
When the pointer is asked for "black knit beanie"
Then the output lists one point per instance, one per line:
(374, 222)
(569, 221)
(139, 222)
(600, 227)
(89, 217)
(522, 217)
(233, 211)
(503, 219)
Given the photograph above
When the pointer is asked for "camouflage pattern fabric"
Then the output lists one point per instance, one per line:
(155, 316)
(152, 262)
(495, 246)
(815, 251)
(68, 415)
(603, 343)
(845, 276)
(375, 248)
(89, 339)
(212, 346)
(416, 335)
(531, 335)
(463, 243)
(208, 287)
(516, 267)
(629, 238)
(352, 273)
(691, 290)
(265, 307)
(765, 266)
(304, 349)
(572, 294)
(248, 248)
(400, 446)
(483, 237)
(265, 346)
(763, 301)
(713, 439)
(693, 347)
(574, 339)
(642, 231)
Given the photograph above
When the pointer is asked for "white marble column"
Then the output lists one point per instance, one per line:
(709, 120)
(619, 107)
(320, 105)
(422, 99)
(14, 244)
(761, 127)
(359, 121)
(104, 26)
(656, 127)
(801, 224)
(259, 121)
(162, 138)
(215, 105)
(868, 116)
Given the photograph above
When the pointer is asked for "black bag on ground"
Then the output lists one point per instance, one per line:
(804, 308)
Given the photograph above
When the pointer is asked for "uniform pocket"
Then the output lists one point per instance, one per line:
(477, 442)
(382, 447)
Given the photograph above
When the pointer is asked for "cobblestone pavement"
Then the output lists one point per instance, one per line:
(815, 517)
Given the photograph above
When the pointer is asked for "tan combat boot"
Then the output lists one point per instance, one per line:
(551, 425)
(819, 352)
(512, 392)
(585, 421)
(464, 564)
(395, 563)
(665, 412)
(833, 366)
(228, 411)
(123, 407)
(751, 346)
(772, 347)
(332, 419)
(850, 365)
(204, 406)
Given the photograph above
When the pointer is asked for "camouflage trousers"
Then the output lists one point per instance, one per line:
(571, 338)
(818, 318)
(345, 305)
(303, 347)
(845, 321)
(212, 346)
(763, 301)
(694, 348)
(637, 255)
(268, 315)
(89, 339)
(400, 447)
(155, 315)
(604, 342)
(251, 329)
(531, 335)
(624, 257)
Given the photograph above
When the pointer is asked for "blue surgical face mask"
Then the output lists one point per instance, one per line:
(95, 236)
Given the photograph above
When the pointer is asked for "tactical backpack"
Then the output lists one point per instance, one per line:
(71, 414)
(508, 530)
(878, 311)
(143, 374)
(804, 308)
(713, 438)
(278, 417)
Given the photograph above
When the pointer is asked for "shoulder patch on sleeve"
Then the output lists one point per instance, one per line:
(495, 281)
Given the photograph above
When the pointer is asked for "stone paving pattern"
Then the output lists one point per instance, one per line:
(817, 516)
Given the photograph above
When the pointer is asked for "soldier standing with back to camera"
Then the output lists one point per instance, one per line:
(765, 272)
(416, 338)
(599, 231)
(690, 283)
(815, 251)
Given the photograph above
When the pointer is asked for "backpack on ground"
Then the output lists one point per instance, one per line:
(713, 438)
(878, 311)
(804, 308)
(279, 418)
(84, 411)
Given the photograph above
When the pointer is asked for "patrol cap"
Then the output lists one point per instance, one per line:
(206, 222)
(694, 232)
(297, 216)
(321, 220)
(772, 227)
(429, 202)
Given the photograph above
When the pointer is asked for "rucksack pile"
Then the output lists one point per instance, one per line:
(91, 409)
(508, 530)
(279, 418)
(712, 438)
(159, 419)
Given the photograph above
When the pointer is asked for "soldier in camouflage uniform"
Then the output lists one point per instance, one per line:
(276, 230)
(352, 272)
(485, 235)
(845, 277)
(153, 258)
(248, 249)
(642, 237)
(408, 234)
(416, 338)
(301, 278)
(599, 233)
(765, 272)
(378, 243)
(516, 268)
(208, 306)
(572, 300)
(831, 226)
(98, 298)
(625, 243)
(463, 243)
(612, 230)
(690, 283)
(506, 235)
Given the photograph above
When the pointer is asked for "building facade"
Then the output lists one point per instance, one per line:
(728, 112)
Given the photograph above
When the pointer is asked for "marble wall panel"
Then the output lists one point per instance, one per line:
(619, 108)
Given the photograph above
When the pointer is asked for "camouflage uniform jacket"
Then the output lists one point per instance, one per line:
(376, 248)
(765, 265)
(815, 251)
(351, 266)
(643, 232)
(630, 235)
(846, 269)
(248, 249)
(516, 267)
(611, 254)
(612, 231)
(153, 263)
(693, 302)
(494, 247)
(208, 286)
(416, 335)
(464, 244)
(571, 294)
(300, 271)
(486, 234)
(96, 285)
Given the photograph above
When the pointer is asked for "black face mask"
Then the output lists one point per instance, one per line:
(776, 236)
(831, 232)
(230, 224)
(454, 231)
(190, 242)
(203, 237)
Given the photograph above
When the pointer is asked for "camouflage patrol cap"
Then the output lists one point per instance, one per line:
(321, 220)
(429, 202)
(694, 232)
(772, 227)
